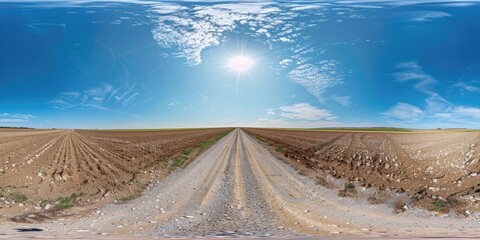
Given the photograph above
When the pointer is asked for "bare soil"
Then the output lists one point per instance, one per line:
(45, 171)
(437, 170)
(238, 189)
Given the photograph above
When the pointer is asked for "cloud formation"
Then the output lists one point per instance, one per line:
(404, 112)
(191, 29)
(425, 16)
(467, 116)
(413, 72)
(436, 108)
(316, 78)
(305, 111)
(15, 118)
(104, 97)
(342, 100)
(466, 87)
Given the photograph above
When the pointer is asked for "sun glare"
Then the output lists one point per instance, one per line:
(240, 63)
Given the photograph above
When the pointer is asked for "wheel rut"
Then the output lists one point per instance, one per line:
(237, 188)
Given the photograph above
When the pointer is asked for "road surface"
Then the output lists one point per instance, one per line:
(237, 188)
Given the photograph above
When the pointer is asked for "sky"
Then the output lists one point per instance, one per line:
(161, 64)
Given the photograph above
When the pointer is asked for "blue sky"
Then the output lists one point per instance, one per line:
(150, 64)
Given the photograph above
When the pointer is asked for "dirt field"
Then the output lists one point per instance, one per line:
(45, 170)
(439, 171)
(238, 189)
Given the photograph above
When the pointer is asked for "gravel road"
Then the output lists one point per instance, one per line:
(238, 189)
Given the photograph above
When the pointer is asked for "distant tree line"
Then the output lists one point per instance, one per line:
(16, 127)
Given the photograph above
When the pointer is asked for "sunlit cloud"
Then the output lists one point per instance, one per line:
(305, 111)
(404, 112)
(285, 62)
(191, 30)
(317, 78)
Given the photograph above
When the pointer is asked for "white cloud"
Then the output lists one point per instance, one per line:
(104, 97)
(409, 2)
(411, 71)
(15, 118)
(167, 8)
(173, 104)
(303, 7)
(285, 39)
(460, 4)
(469, 112)
(72, 94)
(436, 106)
(342, 100)
(281, 123)
(305, 111)
(466, 87)
(424, 16)
(204, 98)
(317, 78)
(193, 29)
(404, 112)
(12, 120)
(285, 62)
(467, 116)
(436, 103)
(270, 111)
(99, 92)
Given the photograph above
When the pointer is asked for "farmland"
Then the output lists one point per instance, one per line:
(223, 183)
(437, 170)
(40, 169)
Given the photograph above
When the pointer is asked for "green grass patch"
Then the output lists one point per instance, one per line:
(178, 161)
(64, 203)
(189, 153)
(438, 205)
(279, 149)
(18, 197)
(68, 202)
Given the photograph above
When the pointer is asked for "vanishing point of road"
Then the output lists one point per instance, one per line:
(238, 189)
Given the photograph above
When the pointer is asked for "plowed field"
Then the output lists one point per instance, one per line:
(437, 170)
(41, 167)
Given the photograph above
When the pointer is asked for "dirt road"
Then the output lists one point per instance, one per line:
(237, 188)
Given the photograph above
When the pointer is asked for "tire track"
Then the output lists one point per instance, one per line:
(237, 188)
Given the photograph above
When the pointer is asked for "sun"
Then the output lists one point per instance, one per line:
(240, 63)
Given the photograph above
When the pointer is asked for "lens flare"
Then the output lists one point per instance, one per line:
(240, 63)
